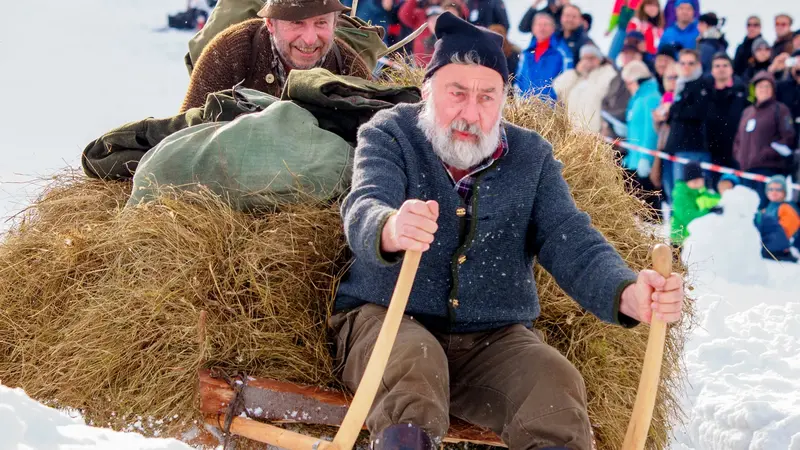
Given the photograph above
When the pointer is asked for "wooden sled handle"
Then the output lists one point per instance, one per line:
(636, 436)
(373, 374)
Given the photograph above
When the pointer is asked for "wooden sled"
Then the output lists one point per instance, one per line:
(278, 402)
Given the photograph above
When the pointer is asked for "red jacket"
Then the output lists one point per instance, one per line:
(413, 16)
(652, 34)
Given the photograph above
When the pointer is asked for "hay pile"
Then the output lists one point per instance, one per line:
(100, 306)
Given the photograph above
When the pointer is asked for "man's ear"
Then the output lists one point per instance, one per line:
(270, 25)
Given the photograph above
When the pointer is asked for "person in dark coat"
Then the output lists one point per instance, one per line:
(554, 8)
(728, 100)
(688, 113)
(764, 140)
(744, 53)
(783, 31)
(487, 12)
(789, 93)
(711, 40)
(572, 31)
(762, 59)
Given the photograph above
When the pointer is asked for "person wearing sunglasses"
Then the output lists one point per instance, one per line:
(765, 138)
(783, 31)
(745, 50)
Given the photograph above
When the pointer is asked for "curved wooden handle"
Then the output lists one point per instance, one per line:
(373, 374)
(636, 436)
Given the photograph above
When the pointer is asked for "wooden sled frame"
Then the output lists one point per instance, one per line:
(281, 403)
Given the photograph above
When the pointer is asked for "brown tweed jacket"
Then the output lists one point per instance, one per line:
(227, 58)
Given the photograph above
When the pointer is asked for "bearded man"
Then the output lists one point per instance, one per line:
(260, 53)
(481, 198)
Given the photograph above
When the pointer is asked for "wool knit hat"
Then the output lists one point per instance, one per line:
(732, 178)
(692, 171)
(299, 9)
(709, 19)
(778, 179)
(591, 49)
(635, 70)
(683, 2)
(459, 37)
(759, 43)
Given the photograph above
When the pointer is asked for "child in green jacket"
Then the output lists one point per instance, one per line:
(690, 200)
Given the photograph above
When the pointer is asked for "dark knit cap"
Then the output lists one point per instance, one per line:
(670, 50)
(459, 37)
(692, 171)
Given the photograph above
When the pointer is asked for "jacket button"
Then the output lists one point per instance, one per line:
(461, 211)
(462, 259)
(454, 302)
(270, 78)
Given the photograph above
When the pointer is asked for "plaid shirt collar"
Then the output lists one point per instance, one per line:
(465, 185)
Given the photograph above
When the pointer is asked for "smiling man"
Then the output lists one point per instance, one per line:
(293, 34)
(481, 198)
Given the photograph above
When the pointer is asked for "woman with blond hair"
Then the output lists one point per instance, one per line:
(649, 20)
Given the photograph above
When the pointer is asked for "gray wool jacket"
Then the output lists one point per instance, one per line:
(478, 274)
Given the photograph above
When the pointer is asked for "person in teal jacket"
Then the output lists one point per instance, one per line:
(690, 200)
(645, 98)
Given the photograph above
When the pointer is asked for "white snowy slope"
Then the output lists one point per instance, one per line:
(26, 424)
(84, 67)
(743, 391)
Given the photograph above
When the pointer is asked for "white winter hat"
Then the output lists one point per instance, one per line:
(635, 70)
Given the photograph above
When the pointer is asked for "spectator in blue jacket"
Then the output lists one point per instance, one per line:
(669, 10)
(545, 59)
(684, 31)
(645, 98)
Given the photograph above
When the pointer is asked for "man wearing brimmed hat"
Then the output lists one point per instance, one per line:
(292, 34)
(481, 198)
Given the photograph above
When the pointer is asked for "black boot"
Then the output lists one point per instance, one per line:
(403, 437)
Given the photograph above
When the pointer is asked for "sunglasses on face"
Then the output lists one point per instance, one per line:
(753, 25)
(688, 63)
(781, 24)
(721, 66)
(774, 189)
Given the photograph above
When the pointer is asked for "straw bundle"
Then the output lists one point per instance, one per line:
(100, 304)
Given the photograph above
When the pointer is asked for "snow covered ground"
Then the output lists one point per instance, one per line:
(87, 66)
(26, 424)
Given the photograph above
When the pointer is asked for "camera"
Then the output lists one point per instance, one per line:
(791, 62)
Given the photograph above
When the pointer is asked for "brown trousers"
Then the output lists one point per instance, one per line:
(506, 380)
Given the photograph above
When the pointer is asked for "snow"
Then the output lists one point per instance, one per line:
(743, 390)
(87, 66)
(26, 424)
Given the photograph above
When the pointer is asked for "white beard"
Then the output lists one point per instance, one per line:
(455, 153)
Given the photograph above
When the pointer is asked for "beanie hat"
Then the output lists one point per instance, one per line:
(591, 49)
(670, 50)
(635, 35)
(299, 9)
(459, 37)
(759, 43)
(692, 171)
(683, 2)
(635, 70)
(778, 179)
(732, 178)
(709, 18)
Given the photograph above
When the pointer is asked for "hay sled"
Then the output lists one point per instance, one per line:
(101, 300)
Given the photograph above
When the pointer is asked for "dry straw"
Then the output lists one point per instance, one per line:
(100, 304)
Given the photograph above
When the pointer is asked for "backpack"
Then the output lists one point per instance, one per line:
(365, 39)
